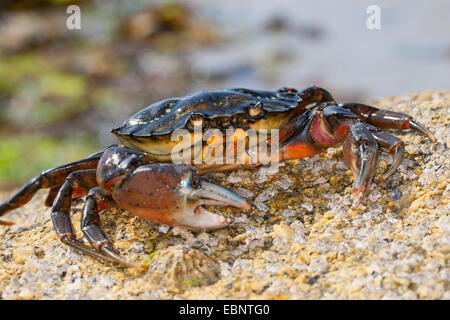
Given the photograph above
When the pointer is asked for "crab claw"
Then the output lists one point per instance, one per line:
(174, 195)
(207, 193)
(360, 153)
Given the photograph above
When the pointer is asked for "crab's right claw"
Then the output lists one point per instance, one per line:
(360, 153)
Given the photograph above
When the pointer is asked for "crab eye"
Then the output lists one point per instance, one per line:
(256, 110)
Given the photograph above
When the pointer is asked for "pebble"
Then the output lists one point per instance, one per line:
(396, 194)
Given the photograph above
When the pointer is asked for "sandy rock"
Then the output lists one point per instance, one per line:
(300, 240)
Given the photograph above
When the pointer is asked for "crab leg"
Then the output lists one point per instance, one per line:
(389, 144)
(90, 225)
(51, 178)
(52, 193)
(360, 153)
(83, 179)
(387, 119)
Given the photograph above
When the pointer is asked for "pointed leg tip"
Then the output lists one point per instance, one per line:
(143, 266)
(433, 138)
(6, 223)
(430, 135)
(419, 128)
(111, 254)
(357, 195)
(246, 206)
(355, 204)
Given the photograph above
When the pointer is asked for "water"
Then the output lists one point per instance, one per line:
(296, 43)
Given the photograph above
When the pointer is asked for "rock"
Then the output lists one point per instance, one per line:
(300, 240)
(179, 267)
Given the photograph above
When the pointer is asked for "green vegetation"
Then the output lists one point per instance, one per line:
(64, 85)
(46, 93)
(17, 68)
(50, 77)
(195, 282)
(25, 156)
(150, 257)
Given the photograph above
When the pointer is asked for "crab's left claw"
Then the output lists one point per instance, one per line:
(206, 193)
(360, 153)
(174, 195)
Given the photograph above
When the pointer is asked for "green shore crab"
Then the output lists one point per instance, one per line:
(140, 176)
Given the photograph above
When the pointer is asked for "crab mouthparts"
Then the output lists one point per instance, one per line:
(211, 194)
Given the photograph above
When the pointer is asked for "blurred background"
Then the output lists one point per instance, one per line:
(61, 90)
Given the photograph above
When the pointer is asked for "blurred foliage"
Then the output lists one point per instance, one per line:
(15, 69)
(25, 156)
(168, 26)
(56, 94)
(62, 90)
(36, 4)
(64, 85)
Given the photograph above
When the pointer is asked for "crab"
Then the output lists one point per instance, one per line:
(140, 176)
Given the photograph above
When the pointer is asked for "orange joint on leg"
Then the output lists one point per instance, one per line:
(67, 235)
(405, 124)
(6, 223)
(110, 183)
(99, 246)
(78, 193)
(103, 205)
(395, 146)
(298, 150)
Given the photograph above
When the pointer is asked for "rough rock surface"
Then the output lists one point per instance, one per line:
(300, 240)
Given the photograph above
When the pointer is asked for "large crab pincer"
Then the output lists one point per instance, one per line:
(139, 176)
(159, 192)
